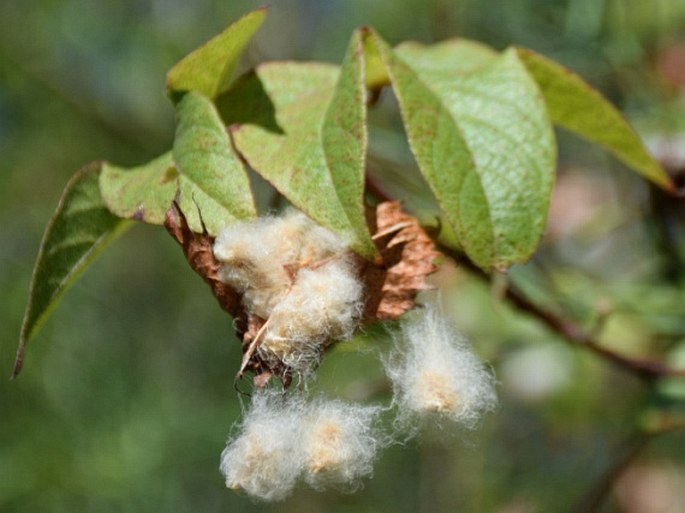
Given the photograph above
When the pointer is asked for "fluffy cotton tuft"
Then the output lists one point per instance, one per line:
(436, 377)
(325, 303)
(340, 445)
(255, 253)
(300, 277)
(262, 459)
(284, 438)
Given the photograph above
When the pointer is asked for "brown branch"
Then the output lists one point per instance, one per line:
(572, 332)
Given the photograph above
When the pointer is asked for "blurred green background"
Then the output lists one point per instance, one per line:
(127, 394)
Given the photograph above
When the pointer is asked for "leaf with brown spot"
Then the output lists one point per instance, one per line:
(302, 127)
(142, 193)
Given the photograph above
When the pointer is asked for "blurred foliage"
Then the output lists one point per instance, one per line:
(126, 397)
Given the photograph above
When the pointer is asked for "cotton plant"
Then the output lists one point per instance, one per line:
(347, 254)
(306, 286)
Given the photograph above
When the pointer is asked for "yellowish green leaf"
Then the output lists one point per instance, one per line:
(302, 127)
(209, 69)
(212, 180)
(575, 105)
(143, 193)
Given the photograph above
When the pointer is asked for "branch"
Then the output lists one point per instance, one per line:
(572, 332)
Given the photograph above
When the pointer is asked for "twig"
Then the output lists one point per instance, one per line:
(572, 332)
(575, 334)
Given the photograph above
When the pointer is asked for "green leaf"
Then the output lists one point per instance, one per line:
(79, 230)
(576, 106)
(212, 179)
(451, 58)
(484, 143)
(143, 193)
(375, 72)
(344, 139)
(302, 127)
(209, 69)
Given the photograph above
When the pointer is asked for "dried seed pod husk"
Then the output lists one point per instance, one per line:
(407, 259)
(197, 248)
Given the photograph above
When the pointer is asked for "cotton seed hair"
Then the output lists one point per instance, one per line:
(284, 439)
(299, 277)
(341, 444)
(261, 459)
(436, 377)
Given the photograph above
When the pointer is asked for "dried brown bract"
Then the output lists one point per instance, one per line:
(197, 248)
(407, 256)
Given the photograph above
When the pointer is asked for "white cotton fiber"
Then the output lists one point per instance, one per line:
(284, 438)
(341, 444)
(325, 303)
(265, 459)
(436, 377)
(254, 254)
(298, 276)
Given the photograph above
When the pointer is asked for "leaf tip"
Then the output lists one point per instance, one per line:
(18, 359)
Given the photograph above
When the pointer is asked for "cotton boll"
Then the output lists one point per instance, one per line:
(265, 458)
(320, 244)
(325, 303)
(252, 255)
(298, 276)
(340, 445)
(284, 438)
(435, 375)
(260, 256)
